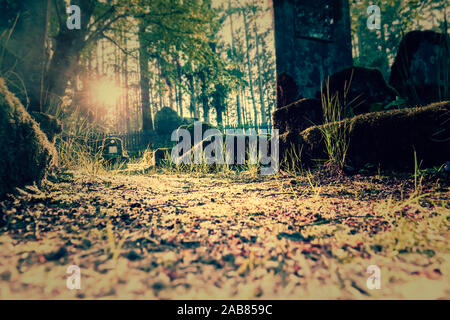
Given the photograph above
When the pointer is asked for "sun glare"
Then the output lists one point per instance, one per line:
(107, 92)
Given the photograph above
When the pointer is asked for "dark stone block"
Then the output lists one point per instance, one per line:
(423, 57)
(367, 91)
(287, 90)
(298, 116)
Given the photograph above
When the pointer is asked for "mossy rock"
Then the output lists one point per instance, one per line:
(387, 138)
(48, 124)
(27, 155)
(298, 115)
(166, 121)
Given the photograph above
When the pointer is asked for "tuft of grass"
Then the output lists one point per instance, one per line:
(291, 162)
(249, 168)
(115, 246)
(76, 146)
(315, 187)
(73, 154)
(334, 132)
(418, 177)
(408, 234)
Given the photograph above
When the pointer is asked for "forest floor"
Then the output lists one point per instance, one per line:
(180, 236)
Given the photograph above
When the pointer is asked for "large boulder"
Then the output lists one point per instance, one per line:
(166, 121)
(388, 138)
(298, 115)
(420, 72)
(27, 155)
(50, 125)
(363, 89)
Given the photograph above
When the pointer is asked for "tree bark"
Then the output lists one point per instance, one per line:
(238, 98)
(68, 46)
(258, 64)
(249, 66)
(147, 121)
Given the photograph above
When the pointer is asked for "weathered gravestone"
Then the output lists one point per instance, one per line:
(312, 41)
(421, 70)
(113, 152)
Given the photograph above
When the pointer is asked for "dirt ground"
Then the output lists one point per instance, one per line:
(173, 236)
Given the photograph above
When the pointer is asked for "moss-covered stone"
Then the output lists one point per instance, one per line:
(27, 155)
(48, 124)
(387, 139)
(298, 116)
(166, 121)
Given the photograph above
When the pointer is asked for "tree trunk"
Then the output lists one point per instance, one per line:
(258, 64)
(249, 66)
(238, 98)
(66, 54)
(180, 90)
(125, 77)
(147, 121)
(204, 98)
(385, 67)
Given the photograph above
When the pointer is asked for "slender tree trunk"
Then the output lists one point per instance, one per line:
(238, 98)
(360, 46)
(152, 97)
(249, 66)
(159, 86)
(204, 96)
(147, 121)
(258, 64)
(384, 50)
(119, 101)
(244, 116)
(180, 89)
(193, 98)
(125, 78)
(103, 57)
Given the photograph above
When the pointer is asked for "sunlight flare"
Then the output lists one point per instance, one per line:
(107, 92)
